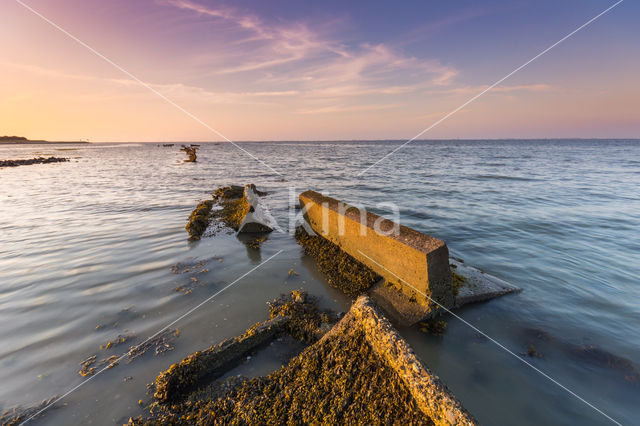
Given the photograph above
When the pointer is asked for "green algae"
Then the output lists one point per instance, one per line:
(335, 381)
(256, 242)
(433, 326)
(457, 281)
(160, 343)
(199, 219)
(87, 366)
(174, 384)
(343, 271)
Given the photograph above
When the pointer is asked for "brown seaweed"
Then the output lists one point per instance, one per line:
(343, 271)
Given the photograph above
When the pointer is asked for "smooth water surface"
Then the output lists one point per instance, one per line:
(81, 242)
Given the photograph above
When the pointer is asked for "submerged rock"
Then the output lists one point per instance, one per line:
(191, 152)
(239, 209)
(38, 160)
(199, 220)
(19, 415)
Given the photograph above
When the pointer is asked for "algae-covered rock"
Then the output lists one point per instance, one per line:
(342, 270)
(191, 152)
(228, 192)
(199, 219)
(173, 384)
(19, 415)
(234, 207)
(296, 314)
(30, 161)
(360, 372)
(457, 281)
(305, 320)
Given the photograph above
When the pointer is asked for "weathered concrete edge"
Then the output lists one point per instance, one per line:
(433, 397)
(257, 218)
(479, 286)
(181, 377)
(407, 236)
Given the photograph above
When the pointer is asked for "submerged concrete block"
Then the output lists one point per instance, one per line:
(479, 286)
(257, 218)
(414, 262)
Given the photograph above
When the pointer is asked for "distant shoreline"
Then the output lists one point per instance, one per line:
(30, 142)
(399, 141)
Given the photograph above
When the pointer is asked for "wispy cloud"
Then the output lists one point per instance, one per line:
(305, 60)
(470, 90)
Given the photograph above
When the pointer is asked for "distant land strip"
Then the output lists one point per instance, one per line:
(21, 140)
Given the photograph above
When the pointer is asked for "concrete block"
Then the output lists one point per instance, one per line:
(257, 217)
(416, 263)
(479, 286)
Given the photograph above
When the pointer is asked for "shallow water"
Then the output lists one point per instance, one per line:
(82, 241)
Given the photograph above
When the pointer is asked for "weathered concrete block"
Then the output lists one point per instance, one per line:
(479, 286)
(416, 263)
(257, 217)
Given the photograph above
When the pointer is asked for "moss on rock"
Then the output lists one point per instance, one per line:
(199, 219)
(296, 314)
(340, 380)
(343, 271)
(305, 321)
(457, 281)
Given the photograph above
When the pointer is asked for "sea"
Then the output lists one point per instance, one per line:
(96, 248)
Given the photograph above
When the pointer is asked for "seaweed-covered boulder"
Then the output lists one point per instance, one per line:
(191, 152)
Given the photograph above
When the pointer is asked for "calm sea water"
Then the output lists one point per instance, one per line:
(81, 241)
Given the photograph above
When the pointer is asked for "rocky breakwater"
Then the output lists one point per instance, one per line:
(30, 161)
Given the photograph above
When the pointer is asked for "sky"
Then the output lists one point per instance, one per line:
(204, 70)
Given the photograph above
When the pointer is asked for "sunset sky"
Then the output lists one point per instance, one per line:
(317, 70)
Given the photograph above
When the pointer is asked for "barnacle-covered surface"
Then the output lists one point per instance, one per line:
(360, 372)
(343, 271)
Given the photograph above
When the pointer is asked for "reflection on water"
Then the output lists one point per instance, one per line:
(96, 248)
